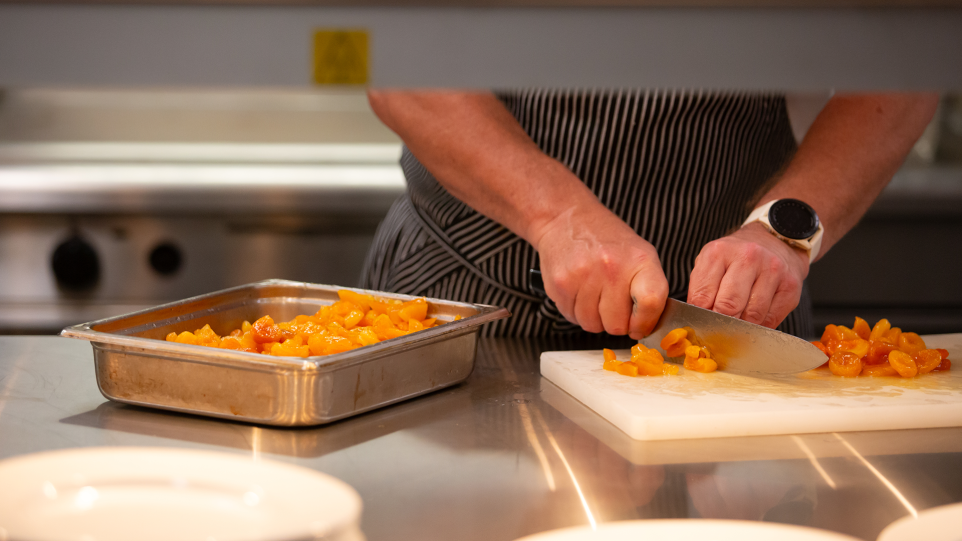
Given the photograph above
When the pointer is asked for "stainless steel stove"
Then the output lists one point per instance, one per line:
(111, 201)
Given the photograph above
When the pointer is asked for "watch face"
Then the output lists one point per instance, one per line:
(793, 219)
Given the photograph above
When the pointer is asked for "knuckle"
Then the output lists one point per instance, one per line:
(563, 281)
(751, 252)
(710, 249)
(649, 303)
(592, 326)
(776, 266)
(727, 306)
(700, 297)
(792, 284)
(771, 321)
(617, 329)
(611, 270)
(753, 315)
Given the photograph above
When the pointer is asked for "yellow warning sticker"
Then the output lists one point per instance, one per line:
(341, 57)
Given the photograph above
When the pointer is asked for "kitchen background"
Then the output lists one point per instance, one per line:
(152, 152)
(115, 200)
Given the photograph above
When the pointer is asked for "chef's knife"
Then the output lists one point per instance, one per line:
(738, 346)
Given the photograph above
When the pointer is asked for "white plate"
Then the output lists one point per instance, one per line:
(123, 493)
(689, 530)
(942, 523)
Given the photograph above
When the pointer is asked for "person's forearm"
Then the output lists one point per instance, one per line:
(850, 153)
(598, 271)
(481, 155)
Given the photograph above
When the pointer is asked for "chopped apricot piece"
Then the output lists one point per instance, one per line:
(878, 351)
(845, 364)
(698, 359)
(651, 357)
(646, 368)
(880, 329)
(416, 309)
(889, 351)
(892, 335)
(911, 343)
(675, 342)
(186, 337)
(861, 328)
(264, 330)
(361, 301)
(644, 362)
(903, 363)
(327, 344)
(285, 350)
(879, 370)
(668, 369)
(627, 369)
(845, 333)
(611, 360)
(927, 360)
(857, 346)
(353, 321)
(831, 334)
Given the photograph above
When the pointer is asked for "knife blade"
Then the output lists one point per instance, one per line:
(736, 345)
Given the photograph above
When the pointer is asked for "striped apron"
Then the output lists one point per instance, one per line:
(681, 168)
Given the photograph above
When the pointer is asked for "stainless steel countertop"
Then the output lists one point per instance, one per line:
(506, 454)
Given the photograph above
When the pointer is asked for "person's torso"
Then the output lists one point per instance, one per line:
(680, 167)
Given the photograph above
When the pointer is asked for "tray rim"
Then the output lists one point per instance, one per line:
(208, 355)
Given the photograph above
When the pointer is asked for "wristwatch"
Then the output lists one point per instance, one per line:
(792, 221)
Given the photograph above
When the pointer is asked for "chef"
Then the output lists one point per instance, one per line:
(623, 198)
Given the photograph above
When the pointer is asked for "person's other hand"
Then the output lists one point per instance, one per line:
(750, 274)
(600, 273)
(732, 492)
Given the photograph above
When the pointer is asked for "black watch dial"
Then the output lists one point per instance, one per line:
(793, 219)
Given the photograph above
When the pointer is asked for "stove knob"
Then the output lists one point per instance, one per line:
(166, 259)
(75, 264)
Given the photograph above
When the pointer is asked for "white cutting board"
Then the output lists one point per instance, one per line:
(694, 405)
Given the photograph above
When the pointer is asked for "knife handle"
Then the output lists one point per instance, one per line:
(537, 282)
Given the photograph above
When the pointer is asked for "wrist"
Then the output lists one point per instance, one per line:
(571, 221)
(759, 234)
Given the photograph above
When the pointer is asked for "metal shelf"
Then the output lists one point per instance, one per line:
(270, 45)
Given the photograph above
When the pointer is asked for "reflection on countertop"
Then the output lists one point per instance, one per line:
(507, 454)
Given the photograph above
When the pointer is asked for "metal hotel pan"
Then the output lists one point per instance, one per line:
(136, 365)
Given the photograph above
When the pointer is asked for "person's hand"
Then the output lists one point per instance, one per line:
(600, 273)
(750, 274)
(733, 492)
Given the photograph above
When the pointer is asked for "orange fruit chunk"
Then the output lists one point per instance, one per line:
(644, 362)
(927, 360)
(876, 370)
(861, 328)
(353, 321)
(675, 342)
(627, 369)
(698, 359)
(911, 343)
(903, 363)
(882, 351)
(845, 364)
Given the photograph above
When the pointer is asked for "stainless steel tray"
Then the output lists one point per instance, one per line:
(136, 365)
